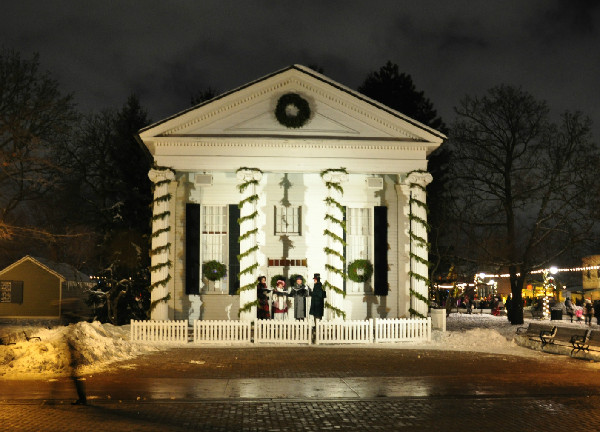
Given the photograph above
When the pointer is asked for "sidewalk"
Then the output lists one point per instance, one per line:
(314, 388)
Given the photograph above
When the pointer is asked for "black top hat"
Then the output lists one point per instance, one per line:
(317, 276)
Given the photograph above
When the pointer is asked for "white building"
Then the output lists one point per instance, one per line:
(290, 174)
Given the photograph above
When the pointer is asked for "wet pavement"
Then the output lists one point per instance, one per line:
(314, 388)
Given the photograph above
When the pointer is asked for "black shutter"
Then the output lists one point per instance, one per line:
(16, 295)
(192, 248)
(234, 248)
(381, 250)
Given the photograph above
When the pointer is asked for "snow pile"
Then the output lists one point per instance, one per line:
(479, 333)
(93, 346)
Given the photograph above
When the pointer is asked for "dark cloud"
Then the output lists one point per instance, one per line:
(166, 51)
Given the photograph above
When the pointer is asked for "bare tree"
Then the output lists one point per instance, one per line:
(35, 119)
(520, 183)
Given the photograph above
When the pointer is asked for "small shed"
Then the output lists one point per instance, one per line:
(34, 287)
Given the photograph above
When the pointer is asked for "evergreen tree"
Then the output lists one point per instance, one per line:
(109, 178)
(397, 91)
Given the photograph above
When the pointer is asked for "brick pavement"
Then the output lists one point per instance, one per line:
(429, 414)
(470, 392)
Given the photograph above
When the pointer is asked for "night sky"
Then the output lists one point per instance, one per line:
(166, 50)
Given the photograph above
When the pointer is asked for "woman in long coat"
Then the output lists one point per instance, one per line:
(299, 293)
(317, 304)
(262, 294)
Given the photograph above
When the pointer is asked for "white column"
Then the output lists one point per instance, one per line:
(414, 188)
(160, 244)
(248, 296)
(333, 298)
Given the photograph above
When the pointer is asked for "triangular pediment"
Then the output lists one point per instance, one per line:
(335, 112)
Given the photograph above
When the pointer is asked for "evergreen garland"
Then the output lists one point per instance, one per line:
(248, 234)
(252, 199)
(330, 201)
(161, 265)
(335, 310)
(413, 218)
(340, 291)
(165, 198)
(160, 231)
(156, 302)
(160, 216)
(248, 306)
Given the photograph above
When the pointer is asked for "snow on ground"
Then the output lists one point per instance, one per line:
(99, 345)
(95, 346)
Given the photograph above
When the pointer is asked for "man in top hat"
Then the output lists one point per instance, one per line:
(317, 304)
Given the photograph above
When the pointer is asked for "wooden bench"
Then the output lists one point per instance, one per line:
(28, 338)
(7, 340)
(564, 336)
(589, 342)
(538, 332)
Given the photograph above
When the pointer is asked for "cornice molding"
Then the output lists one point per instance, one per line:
(283, 144)
(312, 89)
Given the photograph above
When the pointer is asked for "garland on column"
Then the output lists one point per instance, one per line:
(421, 241)
(167, 246)
(250, 200)
(336, 238)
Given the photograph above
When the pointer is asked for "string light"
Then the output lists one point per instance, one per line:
(551, 270)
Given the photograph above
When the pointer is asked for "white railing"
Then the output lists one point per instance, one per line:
(288, 332)
(159, 331)
(402, 330)
(344, 332)
(226, 332)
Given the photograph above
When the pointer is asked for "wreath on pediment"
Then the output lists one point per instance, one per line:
(292, 110)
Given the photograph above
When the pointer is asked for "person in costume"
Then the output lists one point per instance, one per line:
(317, 304)
(299, 293)
(262, 294)
(280, 295)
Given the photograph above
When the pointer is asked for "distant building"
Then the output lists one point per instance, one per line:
(290, 174)
(591, 278)
(39, 288)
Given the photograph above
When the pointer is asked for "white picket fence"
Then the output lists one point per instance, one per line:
(225, 332)
(402, 330)
(284, 332)
(344, 332)
(159, 331)
(287, 332)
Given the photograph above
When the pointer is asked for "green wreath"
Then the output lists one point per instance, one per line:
(276, 278)
(214, 270)
(360, 270)
(293, 278)
(292, 110)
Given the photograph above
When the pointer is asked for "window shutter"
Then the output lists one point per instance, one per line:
(234, 249)
(380, 250)
(17, 292)
(192, 248)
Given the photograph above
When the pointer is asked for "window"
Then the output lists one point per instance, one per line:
(288, 220)
(5, 291)
(214, 225)
(359, 240)
(11, 291)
